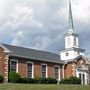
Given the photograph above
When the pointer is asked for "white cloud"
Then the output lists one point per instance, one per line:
(19, 35)
(41, 24)
(22, 15)
(81, 10)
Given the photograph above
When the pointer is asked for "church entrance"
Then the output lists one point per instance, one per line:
(82, 74)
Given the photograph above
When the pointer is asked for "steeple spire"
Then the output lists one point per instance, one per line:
(71, 26)
(72, 49)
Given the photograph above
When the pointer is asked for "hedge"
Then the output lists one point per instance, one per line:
(71, 80)
(47, 81)
(39, 80)
(29, 80)
(15, 78)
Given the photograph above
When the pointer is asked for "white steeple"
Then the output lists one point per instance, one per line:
(72, 49)
(71, 26)
(71, 39)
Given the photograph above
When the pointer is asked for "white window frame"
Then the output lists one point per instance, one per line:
(46, 70)
(15, 60)
(58, 71)
(32, 69)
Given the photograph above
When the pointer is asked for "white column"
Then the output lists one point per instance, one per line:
(63, 71)
(86, 78)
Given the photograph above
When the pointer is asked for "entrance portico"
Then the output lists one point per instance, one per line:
(82, 73)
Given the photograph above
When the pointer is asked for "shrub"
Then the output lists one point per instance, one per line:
(47, 81)
(65, 81)
(1, 79)
(24, 80)
(75, 80)
(30, 80)
(42, 80)
(51, 81)
(71, 80)
(14, 77)
(36, 81)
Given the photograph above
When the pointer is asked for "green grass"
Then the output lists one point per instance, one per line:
(9, 86)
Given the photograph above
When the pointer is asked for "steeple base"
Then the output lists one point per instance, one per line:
(71, 53)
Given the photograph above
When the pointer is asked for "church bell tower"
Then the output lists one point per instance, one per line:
(72, 49)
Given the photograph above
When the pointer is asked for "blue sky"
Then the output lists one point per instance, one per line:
(41, 24)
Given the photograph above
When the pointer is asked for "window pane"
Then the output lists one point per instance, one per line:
(80, 76)
(29, 70)
(44, 71)
(13, 66)
(83, 79)
(56, 72)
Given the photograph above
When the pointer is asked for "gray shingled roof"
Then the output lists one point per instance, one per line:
(33, 54)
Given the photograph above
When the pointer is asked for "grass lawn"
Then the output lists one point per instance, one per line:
(9, 86)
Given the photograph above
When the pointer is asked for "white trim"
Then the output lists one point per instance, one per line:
(46, 70)
(15, 60)
(63, 75)
(32, 68)
(58, 71)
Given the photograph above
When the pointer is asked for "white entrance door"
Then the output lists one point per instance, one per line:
(83, 76)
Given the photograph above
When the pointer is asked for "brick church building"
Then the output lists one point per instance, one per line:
(35, 63)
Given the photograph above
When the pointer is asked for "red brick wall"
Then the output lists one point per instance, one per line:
(51, 70)
(22, 67)
(68, 70)
(2, 61)
(37, 68)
